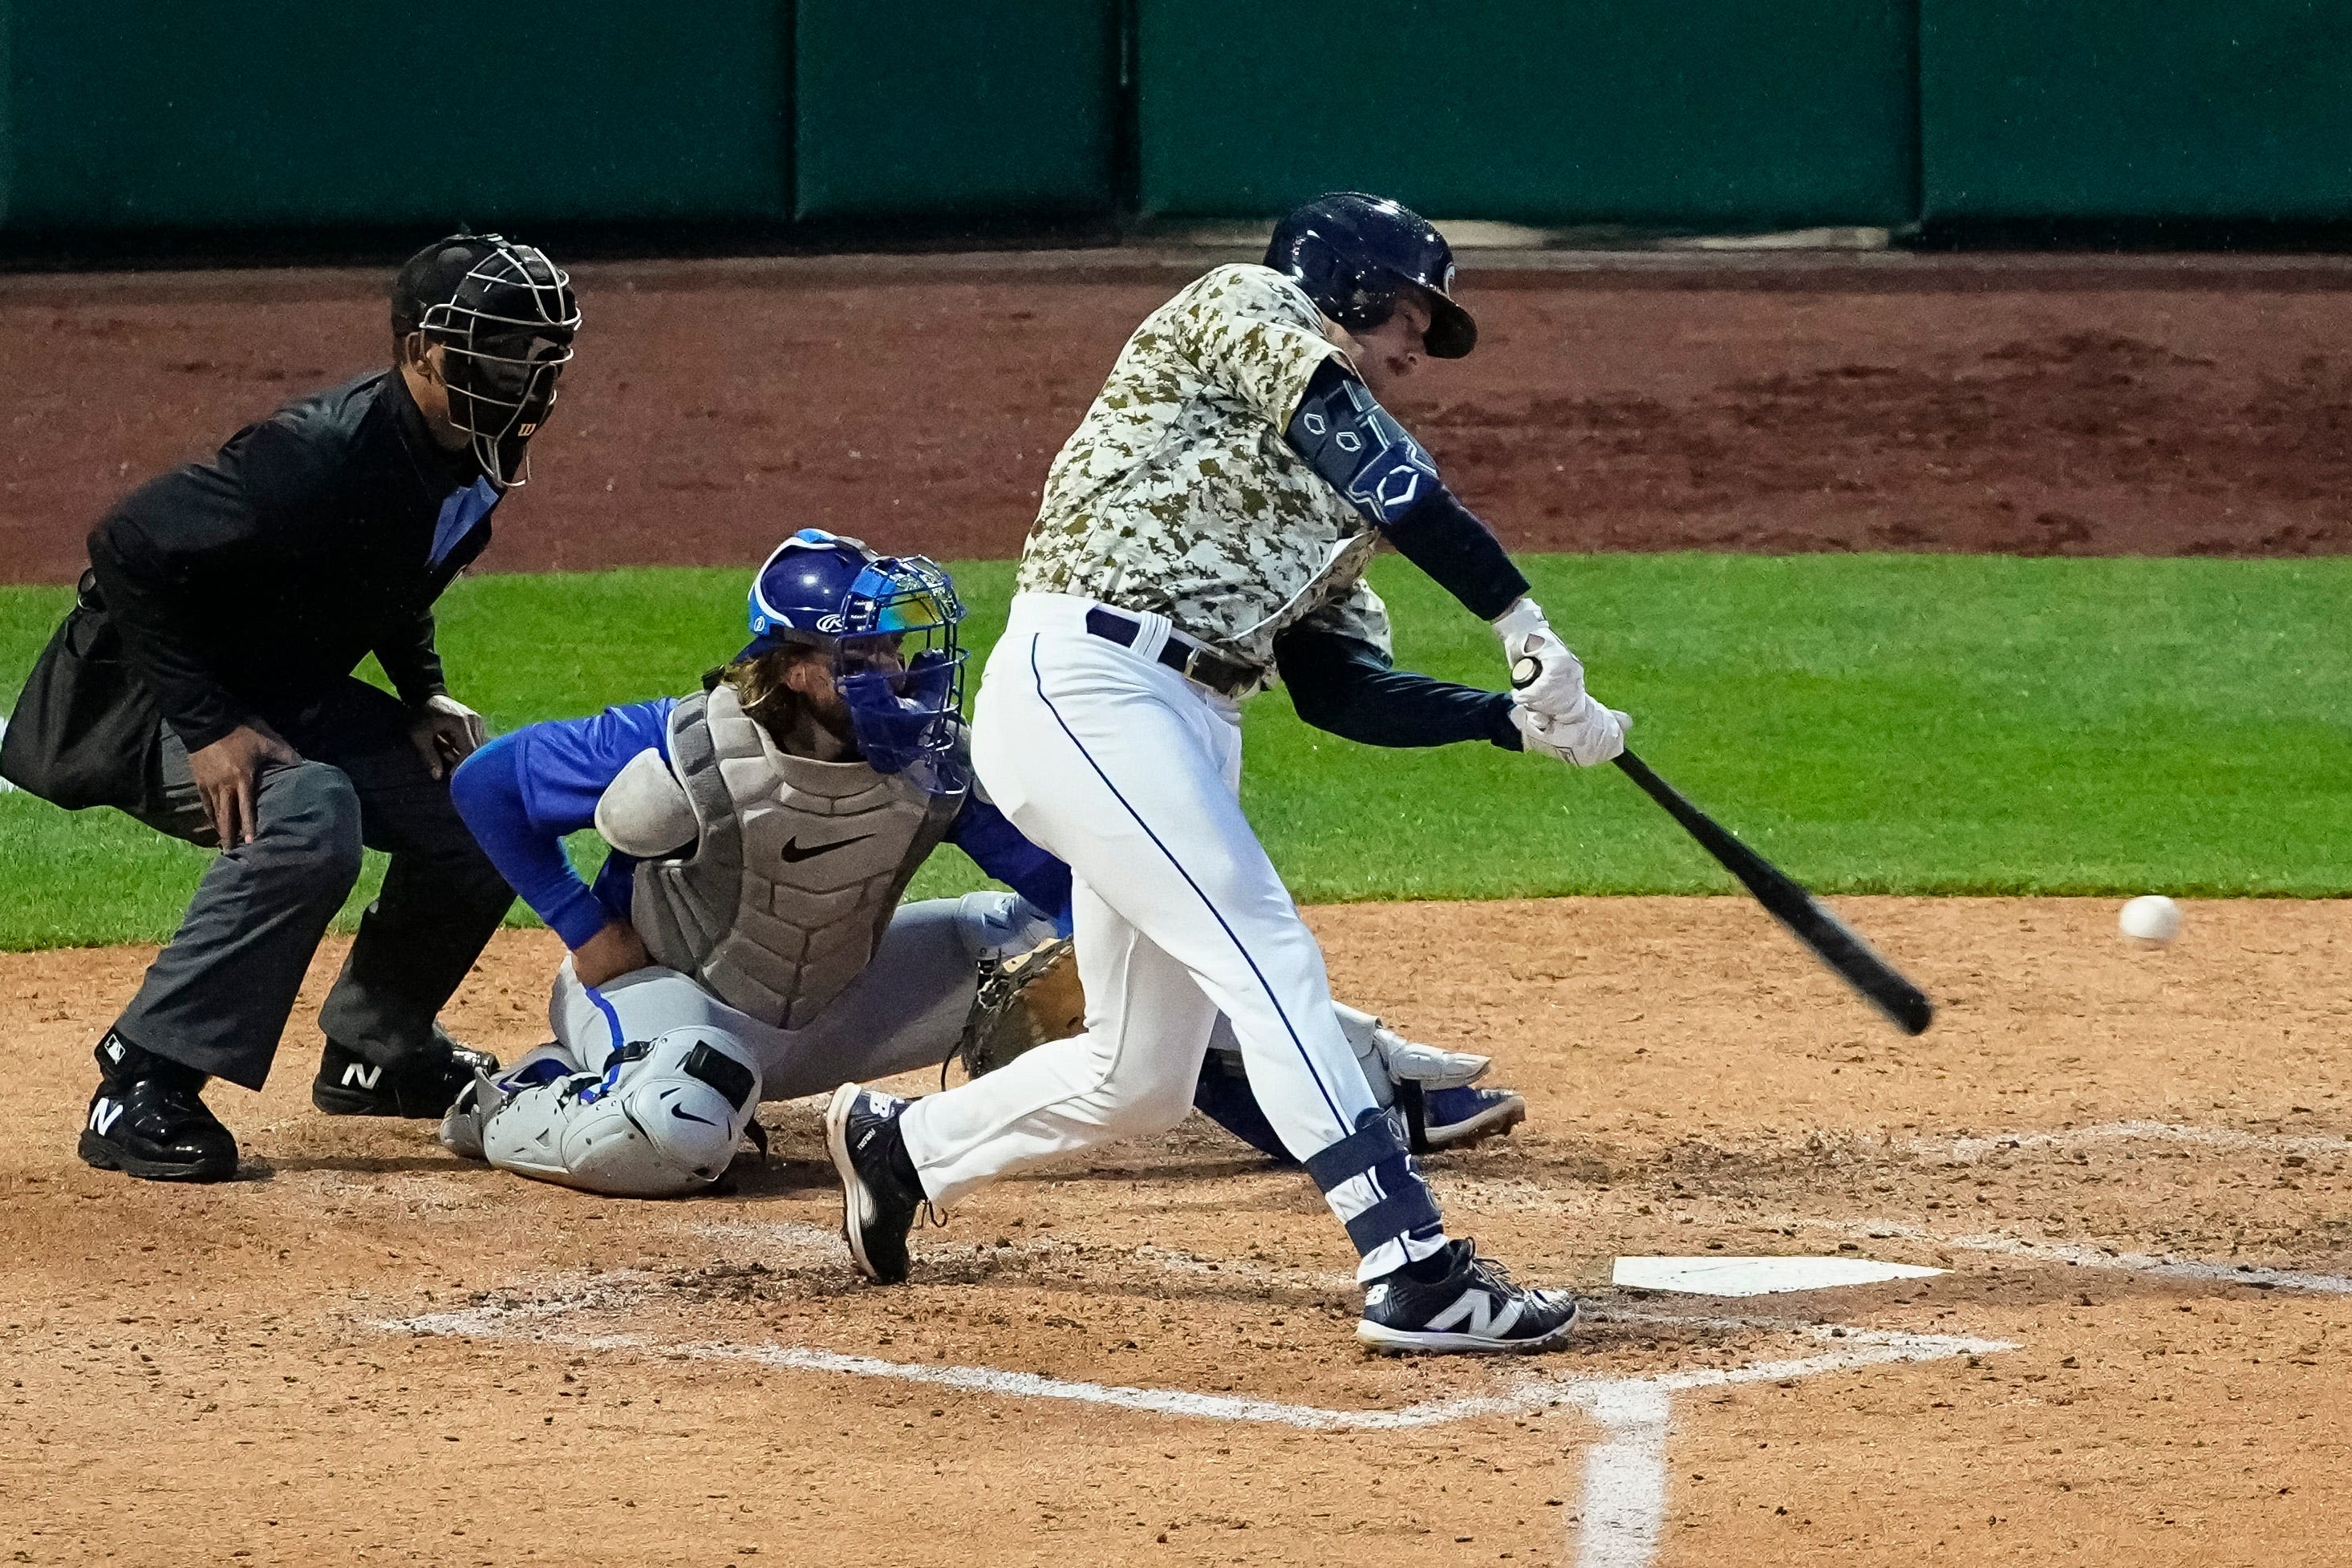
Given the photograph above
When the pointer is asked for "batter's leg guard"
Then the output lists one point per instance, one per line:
(663, 1118)
(1371, 1183)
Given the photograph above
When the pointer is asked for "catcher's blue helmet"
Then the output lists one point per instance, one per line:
(1354, 253)
(888, 624)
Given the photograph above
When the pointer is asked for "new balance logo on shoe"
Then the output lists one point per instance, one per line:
(1476, 1308)
(362, 1074)
(103, 1114)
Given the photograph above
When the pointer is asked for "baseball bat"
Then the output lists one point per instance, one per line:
(1830, 940)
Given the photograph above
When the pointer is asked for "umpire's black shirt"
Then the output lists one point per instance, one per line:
(251, 585)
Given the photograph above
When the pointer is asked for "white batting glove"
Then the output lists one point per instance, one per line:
(1585, 738)
(1545, 676)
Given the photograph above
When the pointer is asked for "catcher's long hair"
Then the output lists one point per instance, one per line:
(760, 684)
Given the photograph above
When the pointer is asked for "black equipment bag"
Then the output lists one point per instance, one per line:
(85, 732)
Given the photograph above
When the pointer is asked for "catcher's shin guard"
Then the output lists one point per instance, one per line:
(461, 1127)
(663, 1118)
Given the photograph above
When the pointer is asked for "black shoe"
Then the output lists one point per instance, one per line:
(426, 1085)
(1476, 1307)
(880, 1194)
(147, 1121)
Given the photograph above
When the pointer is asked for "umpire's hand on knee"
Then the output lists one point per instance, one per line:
(228, 773)
(446, 732)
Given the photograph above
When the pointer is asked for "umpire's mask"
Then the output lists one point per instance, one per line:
(506, 331)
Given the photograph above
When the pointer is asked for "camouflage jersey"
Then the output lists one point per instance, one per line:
(1179, 493)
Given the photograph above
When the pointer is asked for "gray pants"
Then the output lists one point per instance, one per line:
(905, 1010)
(217, 998)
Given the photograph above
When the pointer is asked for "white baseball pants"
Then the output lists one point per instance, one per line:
(1131, 774)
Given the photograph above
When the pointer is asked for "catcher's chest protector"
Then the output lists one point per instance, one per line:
(798, 867)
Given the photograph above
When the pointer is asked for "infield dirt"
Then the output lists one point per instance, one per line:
(270, 1372)
(2113, 407)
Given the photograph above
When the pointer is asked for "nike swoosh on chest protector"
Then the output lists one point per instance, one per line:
(793, 854)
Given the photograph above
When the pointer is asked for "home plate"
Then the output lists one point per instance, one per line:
(1719, 1276)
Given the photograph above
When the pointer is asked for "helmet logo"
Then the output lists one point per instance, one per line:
(830, 623)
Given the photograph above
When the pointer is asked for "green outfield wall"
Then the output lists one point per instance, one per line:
(120, 118)
(1698, 113)
(175, 114)
(947, 106)
(2136, 108)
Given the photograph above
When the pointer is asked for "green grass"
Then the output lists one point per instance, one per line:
(1888, 724)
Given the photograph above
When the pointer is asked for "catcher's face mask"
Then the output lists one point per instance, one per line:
(900, 672)
(506, 336)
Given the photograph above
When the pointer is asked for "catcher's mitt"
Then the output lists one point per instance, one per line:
(1022, 1002)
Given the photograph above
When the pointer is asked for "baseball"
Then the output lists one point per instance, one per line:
(2150, 920)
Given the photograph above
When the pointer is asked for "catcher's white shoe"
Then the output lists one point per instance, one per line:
(1456, 1118)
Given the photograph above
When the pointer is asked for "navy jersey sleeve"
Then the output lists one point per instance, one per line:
(522, 793)
(997, 847)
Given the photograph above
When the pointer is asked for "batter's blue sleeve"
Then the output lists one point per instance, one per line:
(522, 793)
(1350, 689)
(998, 848)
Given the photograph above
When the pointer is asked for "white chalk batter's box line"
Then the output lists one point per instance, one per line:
(2084, 1255)
(1623, 1503)
(1971, 1148)
(531, 1322)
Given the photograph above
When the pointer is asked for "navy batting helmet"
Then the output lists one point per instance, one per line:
(889, 623)
(1353, 253)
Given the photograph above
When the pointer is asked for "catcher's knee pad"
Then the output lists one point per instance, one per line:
(663, 1118)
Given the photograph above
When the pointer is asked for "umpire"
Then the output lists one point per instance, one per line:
(202, 683)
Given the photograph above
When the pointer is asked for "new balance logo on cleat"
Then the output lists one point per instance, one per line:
(422, 1083)
(103, 1114)
(1475, 1313)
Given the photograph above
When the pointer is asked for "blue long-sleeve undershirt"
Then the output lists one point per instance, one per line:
(522, 793)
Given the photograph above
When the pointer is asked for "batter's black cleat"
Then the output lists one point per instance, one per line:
(147, 1121)
(1474, 1307)
(425, 1084)
(880, 1193)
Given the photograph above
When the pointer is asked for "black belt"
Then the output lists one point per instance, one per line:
(1178, 652)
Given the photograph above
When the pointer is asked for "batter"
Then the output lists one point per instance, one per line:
(1204, 532)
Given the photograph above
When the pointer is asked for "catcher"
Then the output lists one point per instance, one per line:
(745, 940)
